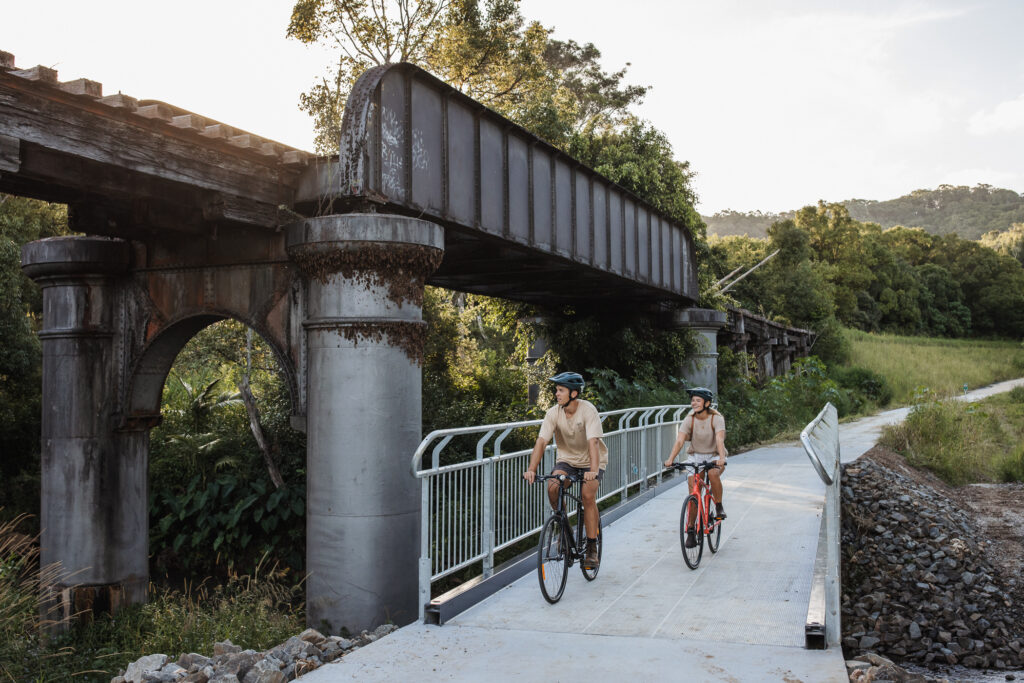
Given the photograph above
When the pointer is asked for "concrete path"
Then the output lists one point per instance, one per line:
(739, 617)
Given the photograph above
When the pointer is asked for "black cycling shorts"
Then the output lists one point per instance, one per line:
(575, 471)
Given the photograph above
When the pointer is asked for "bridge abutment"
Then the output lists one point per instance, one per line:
(363, 281)
(94, 510)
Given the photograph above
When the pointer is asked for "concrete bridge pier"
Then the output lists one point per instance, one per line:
(94, 493)
(363, 279)
(703, 369)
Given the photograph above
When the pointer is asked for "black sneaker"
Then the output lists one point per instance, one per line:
(691, 538)
(719, 511)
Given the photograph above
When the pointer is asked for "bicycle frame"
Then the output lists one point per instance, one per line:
(696, 517)
(575, 544)
(559, 553)
(701, 488)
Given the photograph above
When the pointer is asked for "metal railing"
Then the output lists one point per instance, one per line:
(474, 506)
(821, 442)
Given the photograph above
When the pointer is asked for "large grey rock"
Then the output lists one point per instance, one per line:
(137, 670)
(265, 671)
(225, 648)
(311, 635)
(193, 661)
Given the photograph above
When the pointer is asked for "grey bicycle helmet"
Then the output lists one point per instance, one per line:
(573, 381)
(703, 392)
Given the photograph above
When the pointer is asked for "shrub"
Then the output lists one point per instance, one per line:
(945, 437)
(759, 411)
(227, 523)
(257, 612)
(863, 383)
(20, 581)
(1011, 467)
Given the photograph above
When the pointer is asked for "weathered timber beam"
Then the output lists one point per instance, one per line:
(10, 153)
(225, 207)
(115, 136)
(57, 177)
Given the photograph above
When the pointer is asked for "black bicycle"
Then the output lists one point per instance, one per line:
(697, 516)
(559, 548)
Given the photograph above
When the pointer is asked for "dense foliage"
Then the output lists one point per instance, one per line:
(968, 212)
(214, 508)
(831, 267)
(21, 221)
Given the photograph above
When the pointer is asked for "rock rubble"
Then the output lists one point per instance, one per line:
(231, 664)
(917, 586)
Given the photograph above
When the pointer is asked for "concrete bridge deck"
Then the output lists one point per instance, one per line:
(739, 617)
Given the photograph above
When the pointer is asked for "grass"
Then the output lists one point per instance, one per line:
(944, 366)
(255, 612)
(965, 443)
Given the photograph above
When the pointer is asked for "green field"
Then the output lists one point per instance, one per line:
(943, 366)
(964, 443)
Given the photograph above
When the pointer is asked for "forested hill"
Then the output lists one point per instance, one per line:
(968, 212)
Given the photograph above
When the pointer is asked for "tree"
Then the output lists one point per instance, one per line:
(487, 50)
(836, 240)
(1010, 242)
(943, 313)
(992, 284)
(21, 221)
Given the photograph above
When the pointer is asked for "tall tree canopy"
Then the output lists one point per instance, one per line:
(485, 49)
(900, 280)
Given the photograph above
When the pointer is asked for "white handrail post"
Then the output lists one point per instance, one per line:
(487, 526)
(425, 562)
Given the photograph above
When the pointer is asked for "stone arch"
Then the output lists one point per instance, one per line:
(149, 373)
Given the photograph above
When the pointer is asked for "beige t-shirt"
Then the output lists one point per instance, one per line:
(571, 435)
(702, 438)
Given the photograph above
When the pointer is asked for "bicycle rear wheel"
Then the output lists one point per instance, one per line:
(688, 520)
(552, 560)
(714, 534)
(591, 574)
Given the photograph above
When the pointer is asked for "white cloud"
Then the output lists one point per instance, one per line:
(1006, 116)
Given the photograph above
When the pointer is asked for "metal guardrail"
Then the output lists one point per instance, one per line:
(476, 507)
(821, 442)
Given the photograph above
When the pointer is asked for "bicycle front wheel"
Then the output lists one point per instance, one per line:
(714, 533)
(688, 519)
(591, 574)
(552, 560)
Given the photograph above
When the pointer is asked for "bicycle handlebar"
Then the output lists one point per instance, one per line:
(696, 467)
(560, 477)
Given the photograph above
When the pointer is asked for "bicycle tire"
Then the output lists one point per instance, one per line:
(690, 555)
(714, 534)
(591, 574)
(552, 560)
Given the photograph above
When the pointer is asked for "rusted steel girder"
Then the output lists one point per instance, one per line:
(416, 145)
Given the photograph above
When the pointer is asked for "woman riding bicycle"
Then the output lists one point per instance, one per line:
(704, 428)
(576, 427)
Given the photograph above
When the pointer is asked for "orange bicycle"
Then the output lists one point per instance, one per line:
(697, 515)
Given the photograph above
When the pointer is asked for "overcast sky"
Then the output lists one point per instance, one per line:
(775, 104)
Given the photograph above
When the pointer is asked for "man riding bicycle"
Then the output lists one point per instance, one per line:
(576, 427)
(704, 428)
